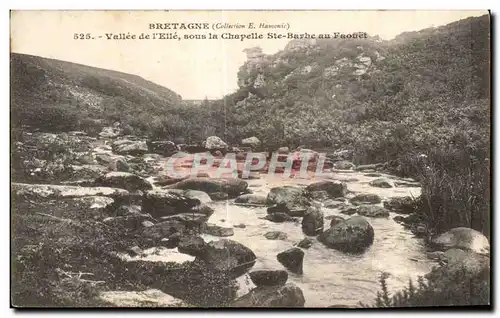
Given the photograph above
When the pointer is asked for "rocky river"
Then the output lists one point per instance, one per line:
(328, 276)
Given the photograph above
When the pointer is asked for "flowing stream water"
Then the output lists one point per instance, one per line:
(330, 277)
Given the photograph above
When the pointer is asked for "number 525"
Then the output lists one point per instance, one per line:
(82, 36)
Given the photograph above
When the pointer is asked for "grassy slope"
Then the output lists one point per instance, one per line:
(80, 93)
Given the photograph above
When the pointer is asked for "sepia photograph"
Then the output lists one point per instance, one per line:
(250, 159)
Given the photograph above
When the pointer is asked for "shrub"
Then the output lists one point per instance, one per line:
(441, 287)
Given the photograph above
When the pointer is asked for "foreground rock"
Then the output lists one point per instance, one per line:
(291, 200)
(123, 180)
(51, 191)
(232, 187)
(146, 298)
(463, 238)
(292, 259)
(269, 277)
(353, 235)
(288, 295)
(334, 189)
(373, 211)
(161, 203)
(228, 256)
(312, 223)
(401, 205)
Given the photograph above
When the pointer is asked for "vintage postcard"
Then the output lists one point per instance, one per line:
(331, 159)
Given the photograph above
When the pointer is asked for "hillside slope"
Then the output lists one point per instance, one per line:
(424, 87)
(56, 95)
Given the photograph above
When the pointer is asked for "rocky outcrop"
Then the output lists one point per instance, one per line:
(123, 180)
(463, 238)
(312, 222)
(161, 203)
(269, 277)
(233, 187)
(291, 200)
(353, 235)
(292, 259)
(288, 295)
(228, 256)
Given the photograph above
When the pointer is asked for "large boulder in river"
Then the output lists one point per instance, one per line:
(335, 189)
(463, 238)
(287, 295)
(161, 202)
(354, 235)
(312, 222)
(291, 200)
(292, 259)
(215, 143)
(130, 147)
(228, 256)
(233, 187)
(252, 142)
(123, 180)
(373, 211)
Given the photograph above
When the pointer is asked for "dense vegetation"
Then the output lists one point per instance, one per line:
(443, 286)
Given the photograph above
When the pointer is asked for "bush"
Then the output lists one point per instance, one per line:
(441, 287)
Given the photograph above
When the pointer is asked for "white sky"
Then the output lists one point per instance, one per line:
(195, 69)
